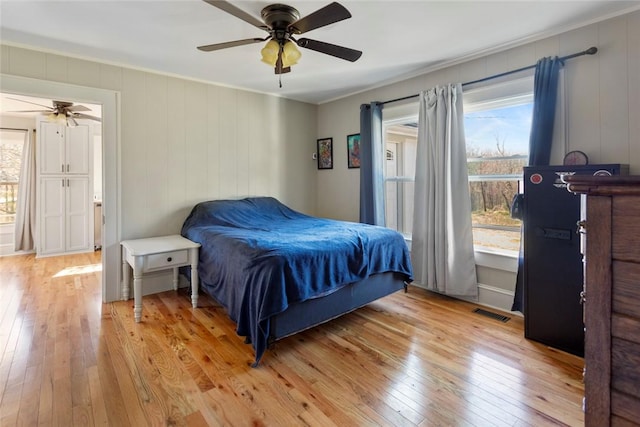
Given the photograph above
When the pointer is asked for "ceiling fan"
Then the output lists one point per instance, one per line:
(61, 112)
(283, 22)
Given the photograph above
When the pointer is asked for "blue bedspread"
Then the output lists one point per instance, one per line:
(258, 256)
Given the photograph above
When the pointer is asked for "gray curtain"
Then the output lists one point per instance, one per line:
(371, 164)
(442, 240)
(545, 94)
(25, 223)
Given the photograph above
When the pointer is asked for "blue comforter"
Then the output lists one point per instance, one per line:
(258, 256)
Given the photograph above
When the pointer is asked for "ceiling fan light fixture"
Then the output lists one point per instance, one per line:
(59, 118)
(290, 54)
(270, 52)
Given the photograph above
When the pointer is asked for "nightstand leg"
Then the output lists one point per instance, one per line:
(175, 279)
(125, 276)
(194, 277)
(137, 297)
(137, 289)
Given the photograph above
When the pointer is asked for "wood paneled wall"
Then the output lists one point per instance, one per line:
(181, 141)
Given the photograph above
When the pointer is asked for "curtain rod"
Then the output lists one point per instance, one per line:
(591, 51)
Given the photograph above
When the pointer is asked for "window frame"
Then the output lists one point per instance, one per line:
(494, 95)
(16, 184)
(386, 124)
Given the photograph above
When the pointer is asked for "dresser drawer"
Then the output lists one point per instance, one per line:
(625, 288)
(166, 260)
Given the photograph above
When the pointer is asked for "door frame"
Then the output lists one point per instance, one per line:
(110, 101)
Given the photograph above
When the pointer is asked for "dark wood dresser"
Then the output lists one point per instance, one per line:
(611, 298)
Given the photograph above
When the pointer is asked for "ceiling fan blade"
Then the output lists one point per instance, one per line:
(218, 46)
(86, 116)
(78, 108)
(238, 13)
(29, 102)
(30, 111)
(330, 49)
(329, 14)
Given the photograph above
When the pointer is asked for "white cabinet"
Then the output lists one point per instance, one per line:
(64, 150)
(65, 189)
(64, 214)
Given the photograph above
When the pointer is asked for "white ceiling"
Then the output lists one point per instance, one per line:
(398, 38)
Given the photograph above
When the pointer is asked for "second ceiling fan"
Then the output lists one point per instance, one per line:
(61, 112)
(283, 22)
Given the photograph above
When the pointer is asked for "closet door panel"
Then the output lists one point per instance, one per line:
(51, 147)
(77, 218)
(77, 150)
(52, 212)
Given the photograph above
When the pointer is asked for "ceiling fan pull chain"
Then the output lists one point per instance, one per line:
(280, 80)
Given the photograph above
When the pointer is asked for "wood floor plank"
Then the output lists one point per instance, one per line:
(410, 359)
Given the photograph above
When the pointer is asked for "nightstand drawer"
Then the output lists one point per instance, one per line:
(167, 259)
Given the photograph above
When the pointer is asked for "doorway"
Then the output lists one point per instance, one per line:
(57, 132)
(109, 100)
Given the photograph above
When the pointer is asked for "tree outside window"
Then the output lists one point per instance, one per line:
(497, 142)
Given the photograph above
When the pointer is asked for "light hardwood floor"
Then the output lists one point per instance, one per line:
(408, 359)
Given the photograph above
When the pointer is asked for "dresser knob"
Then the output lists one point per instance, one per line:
(169, 259)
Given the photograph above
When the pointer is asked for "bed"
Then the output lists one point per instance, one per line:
(277, 271)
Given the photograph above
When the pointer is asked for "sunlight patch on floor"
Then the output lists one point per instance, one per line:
(79, 269)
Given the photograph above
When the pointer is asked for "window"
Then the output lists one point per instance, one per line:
(11, 145)
(401, 141)
(497, 125)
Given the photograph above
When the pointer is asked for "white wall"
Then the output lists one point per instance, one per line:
(181, 142)
(602, 108)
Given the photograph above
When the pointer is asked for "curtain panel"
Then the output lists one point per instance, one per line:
(25, 222)
(371, 165)
(545, 94)
(442, 240)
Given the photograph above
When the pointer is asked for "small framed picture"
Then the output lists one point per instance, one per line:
(353, 151)
(325, 153)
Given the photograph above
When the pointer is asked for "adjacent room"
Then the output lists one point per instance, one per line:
(356, 213)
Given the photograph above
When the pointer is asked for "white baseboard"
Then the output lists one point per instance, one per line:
(8, 250)
(159, 281)
(497, 298)
(490, 296)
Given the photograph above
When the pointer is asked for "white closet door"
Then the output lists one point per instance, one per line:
(52, 215)
(77, 203)
(51, 147)
(78, 149)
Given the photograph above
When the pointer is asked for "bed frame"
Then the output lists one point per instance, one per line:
(313, 312)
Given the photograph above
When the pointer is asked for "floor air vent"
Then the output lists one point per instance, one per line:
(496, 316)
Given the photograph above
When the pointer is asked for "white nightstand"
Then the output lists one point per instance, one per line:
(153, 254)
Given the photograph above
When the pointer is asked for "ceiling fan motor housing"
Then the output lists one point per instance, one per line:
(279, 16)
